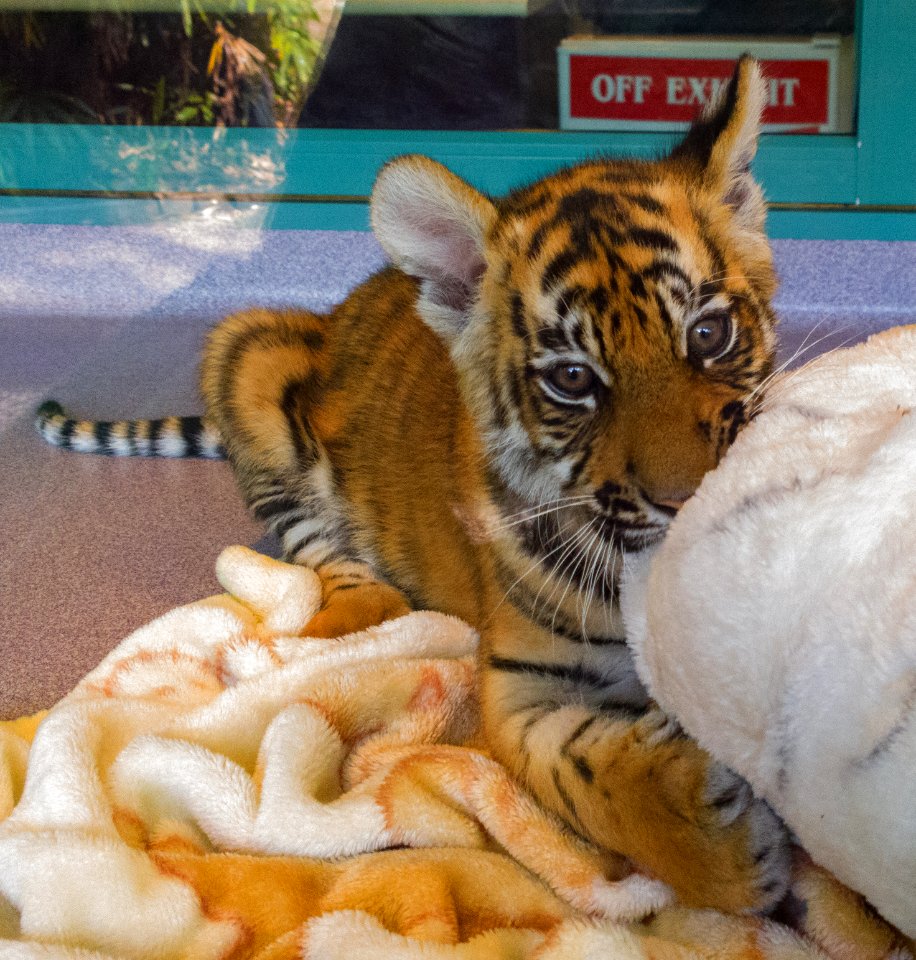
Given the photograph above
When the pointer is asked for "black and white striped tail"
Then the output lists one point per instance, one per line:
(181, 437)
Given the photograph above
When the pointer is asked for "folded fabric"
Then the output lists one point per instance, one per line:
(220, 787)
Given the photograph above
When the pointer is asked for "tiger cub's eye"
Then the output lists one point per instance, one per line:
(709, 336)
(573, 380)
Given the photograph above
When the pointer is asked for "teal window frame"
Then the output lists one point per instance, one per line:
(860, 186)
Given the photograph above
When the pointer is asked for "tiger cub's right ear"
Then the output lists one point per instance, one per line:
(720, 145)
(433, 226)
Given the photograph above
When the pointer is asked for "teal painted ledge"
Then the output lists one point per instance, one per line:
(320, 164)
(317, 179)
(841, 225)
(782, 224)
(94, 211)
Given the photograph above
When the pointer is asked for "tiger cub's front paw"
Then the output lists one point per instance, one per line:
(755, 840)
(349, 606)
(727, 849)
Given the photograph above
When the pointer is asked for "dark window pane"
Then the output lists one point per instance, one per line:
(481, 64)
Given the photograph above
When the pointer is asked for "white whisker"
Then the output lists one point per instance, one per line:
(570, 579)
(776, 390)
(532, 513)
(599, 570)
(803, 347)
(530, 569)
(560, 566)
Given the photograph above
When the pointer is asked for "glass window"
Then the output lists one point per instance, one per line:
(419, 64)
(161, 62)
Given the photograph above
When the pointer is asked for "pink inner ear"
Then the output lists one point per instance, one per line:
(446, 249)
(451, 293)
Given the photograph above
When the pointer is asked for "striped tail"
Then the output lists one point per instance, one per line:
(181, 437)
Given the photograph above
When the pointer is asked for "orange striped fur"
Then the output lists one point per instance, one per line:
(490, 425)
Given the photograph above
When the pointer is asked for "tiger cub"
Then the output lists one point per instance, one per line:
(491, 425)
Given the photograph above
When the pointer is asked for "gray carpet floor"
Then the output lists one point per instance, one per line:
(110, 320)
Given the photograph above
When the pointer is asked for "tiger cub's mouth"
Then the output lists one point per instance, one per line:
(631, 534)
(593, 530)
(630, 524)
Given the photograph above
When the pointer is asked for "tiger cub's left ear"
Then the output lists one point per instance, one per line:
(434, 227)
(721, 144)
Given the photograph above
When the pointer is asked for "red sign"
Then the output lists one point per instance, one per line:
(675, 88)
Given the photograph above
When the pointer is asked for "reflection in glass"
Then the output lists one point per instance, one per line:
(390, 69)
(161, 62)
(396, 64)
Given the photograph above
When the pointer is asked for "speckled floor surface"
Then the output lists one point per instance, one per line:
(109, 320)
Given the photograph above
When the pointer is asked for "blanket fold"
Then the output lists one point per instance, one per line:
(219, 787)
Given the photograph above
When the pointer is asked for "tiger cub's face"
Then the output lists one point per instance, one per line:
(616, 343)
(610, 323)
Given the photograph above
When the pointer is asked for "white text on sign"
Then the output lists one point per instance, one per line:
(683, 91)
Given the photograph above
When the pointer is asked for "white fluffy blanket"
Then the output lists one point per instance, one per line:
(777, 620)
(220, 788)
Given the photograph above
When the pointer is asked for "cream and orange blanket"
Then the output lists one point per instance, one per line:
(220, 787)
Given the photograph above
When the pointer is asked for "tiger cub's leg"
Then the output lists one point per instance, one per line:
(313, 534)
(263, 373)
(622, 774)
(353, 598)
